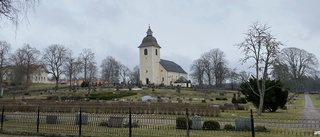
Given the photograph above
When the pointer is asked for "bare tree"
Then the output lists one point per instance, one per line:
(243, 76)
(234, 77)
(31, 58)
(110, 69)
(12, 10)
(87, 56)
(92, 71)
(24, 59)
(208, 68)
(197, 70)
(135, 75)
(54, 58)
(18, 68)
(71, 67)
(124, 72)
(219, 67)
(298, 63)
(260, 45)
(4, 59)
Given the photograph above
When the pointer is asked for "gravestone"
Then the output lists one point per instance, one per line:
(115, 121)
(101, 89)
(139, 99)
(160, 100)
(169, 100)
(149, 100)
(211, 99)
(52, 119)
(128, 99)
(180, 101)
(97, 99)
(196, 122)
(203, 101)
(243, 124)
(84, 119)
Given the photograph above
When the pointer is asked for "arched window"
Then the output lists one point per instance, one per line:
(156, 52)
(145, 51)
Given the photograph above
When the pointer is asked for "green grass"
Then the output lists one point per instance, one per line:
(316, 102)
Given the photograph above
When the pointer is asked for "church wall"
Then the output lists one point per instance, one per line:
(163, 75)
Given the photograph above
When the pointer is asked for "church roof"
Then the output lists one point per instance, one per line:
(182, 80)
(171, 66)
(149, 40)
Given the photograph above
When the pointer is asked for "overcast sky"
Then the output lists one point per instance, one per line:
(184, 29)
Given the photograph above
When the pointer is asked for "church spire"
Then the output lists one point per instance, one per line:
(149, 32)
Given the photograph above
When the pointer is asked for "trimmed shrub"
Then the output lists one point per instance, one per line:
(85, 84)
(181, 123)
(242, 101)
(234, 100)
(110, 95)
(135, 124)
(104, 123)
(211, 125)
(221, 99)
(228, 127)
(261, 129)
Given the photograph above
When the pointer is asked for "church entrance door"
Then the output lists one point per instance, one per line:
(147, 81)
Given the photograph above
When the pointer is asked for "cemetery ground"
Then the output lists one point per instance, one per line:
(284, 121)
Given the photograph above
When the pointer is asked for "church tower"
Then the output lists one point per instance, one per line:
(149, 51)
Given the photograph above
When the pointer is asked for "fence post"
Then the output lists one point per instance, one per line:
(252, 123)
(38, 119)
(2, 118)
(80, 122)
(187, 121)
(130, 131)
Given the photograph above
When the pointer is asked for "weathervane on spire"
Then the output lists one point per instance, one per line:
(149, 32)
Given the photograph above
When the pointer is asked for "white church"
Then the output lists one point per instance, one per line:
(154, 70)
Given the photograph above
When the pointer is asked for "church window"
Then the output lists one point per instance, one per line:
(161, 70)
(156, 52)
(162, 79)
(146, 71)
(145, 51)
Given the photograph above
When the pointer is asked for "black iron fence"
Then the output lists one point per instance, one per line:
(130, 124)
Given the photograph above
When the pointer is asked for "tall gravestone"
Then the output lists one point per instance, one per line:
(196, 122)
(84, 119)
(115, 121)
(52, 119)
(243, 124)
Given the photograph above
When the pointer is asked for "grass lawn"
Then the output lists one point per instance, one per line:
(316, 102)
(294, 111)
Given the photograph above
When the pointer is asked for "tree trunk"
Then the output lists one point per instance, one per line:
(57, 81)
(70, 81)
(260, 109)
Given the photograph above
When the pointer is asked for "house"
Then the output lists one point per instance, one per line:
(154, 70)
(38, 74)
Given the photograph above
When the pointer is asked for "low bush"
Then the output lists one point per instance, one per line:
(261, 129)
(181, 123)
(221, 99)
(211, 125)
(134, 124)
(110, 95)
(85, 84)
(242, 100)
(104, 123)
(228, 127)
(234, 100)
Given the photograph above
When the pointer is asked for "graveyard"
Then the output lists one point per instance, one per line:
(154, 111)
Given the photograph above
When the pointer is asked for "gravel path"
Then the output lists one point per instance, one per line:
(310, 111)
